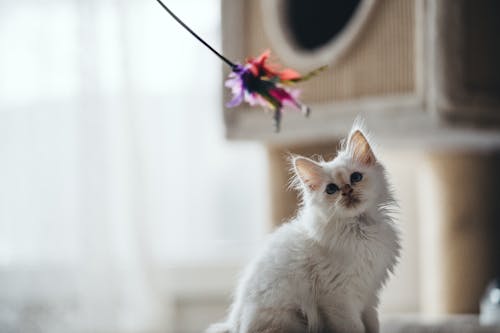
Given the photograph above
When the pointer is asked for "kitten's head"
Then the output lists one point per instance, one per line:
(349, 185)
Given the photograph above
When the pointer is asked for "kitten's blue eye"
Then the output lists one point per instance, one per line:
(356, 177)
(331, 188)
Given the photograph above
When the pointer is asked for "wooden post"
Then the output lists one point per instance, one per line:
(459, 198)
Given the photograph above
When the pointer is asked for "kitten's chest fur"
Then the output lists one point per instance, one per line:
(355, 261)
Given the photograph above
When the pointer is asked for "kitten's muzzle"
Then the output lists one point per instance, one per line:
(346, 190)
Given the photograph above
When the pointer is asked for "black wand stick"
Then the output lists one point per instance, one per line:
(226, 60)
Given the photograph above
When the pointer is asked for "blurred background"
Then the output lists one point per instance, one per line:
(130, 198)
(114, 170)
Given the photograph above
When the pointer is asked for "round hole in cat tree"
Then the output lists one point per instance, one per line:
(306, 34)
(314, 23)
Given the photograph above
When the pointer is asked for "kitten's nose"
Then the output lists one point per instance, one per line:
(346, 189)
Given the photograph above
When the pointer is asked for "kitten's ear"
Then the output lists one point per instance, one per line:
(360, 149)
(309, 172)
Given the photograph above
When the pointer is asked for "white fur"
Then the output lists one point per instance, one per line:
(322, 271)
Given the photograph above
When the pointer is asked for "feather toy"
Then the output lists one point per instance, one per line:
(258, 83)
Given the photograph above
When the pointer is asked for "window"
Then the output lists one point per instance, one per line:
(113, 163)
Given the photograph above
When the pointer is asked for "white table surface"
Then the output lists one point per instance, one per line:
(441, 324)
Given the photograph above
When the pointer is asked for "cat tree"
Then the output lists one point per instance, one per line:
(423, 74)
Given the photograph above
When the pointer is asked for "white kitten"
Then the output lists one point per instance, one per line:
(322, 271)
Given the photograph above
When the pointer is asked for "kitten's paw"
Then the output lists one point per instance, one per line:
(219, 328)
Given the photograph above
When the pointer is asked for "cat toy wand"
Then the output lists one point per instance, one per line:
(258, 83)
